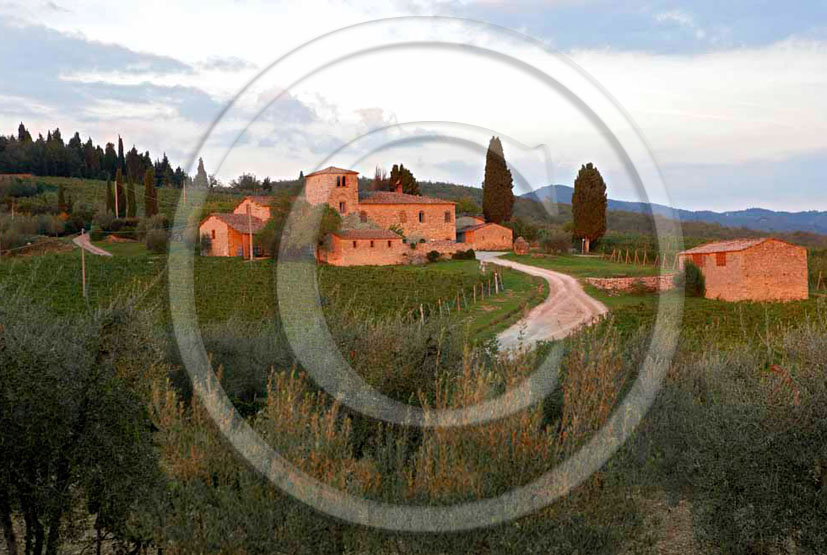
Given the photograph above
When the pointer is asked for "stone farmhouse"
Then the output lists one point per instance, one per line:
(427, 223)
(763, 269)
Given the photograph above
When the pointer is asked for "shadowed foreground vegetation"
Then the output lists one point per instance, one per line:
(103, 443)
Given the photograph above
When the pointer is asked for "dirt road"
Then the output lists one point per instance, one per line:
(83, 242)
(567, 307)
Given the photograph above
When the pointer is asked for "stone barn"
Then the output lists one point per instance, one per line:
(419, 217)
(486, 236)
(229, 234)
(763, 269)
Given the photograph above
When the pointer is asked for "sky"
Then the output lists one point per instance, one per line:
(729, 96)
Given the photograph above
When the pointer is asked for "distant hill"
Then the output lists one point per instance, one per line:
(759, 219)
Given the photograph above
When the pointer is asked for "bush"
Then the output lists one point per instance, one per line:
(692, 280)
(145, 225)
(464, 255)
(432, 256)
(556, 242)
(156, 241)
(206, 243)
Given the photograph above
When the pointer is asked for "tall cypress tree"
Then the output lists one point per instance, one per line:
(120, 209)
(588, 205)
(110, 198)
(121, 160)
(131, 204)
(497, 188)
(150, 194)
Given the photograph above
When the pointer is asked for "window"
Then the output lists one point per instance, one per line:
(363, 216)
(344, 183)
(341, 207)
(354, 244)
(720, 259)
(698, 260)
(213, 234)
(447, 216)
(421, 217)
(403, 216)
(371, 244)
(389, 244)
(338, 183)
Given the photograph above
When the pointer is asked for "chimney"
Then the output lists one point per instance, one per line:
(398, 186)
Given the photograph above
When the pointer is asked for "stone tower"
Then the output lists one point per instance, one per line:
(337, 187)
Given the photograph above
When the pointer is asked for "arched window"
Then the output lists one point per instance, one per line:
(447, 216)
(338, 183)
(363, 216)
(403, 216)
(342, 207)
(213, 234)
(421, 217)
(344, 182)
(389, 244)
(371, 244)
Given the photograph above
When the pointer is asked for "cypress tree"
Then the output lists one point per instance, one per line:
(120, 209)
(497, 188)
(588, 205)
(110, 198)
(201, 180)
(131, 204)
(121, 160)
(150, 194)
(404, 176)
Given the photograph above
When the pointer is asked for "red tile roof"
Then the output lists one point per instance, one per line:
(239, 222)
(478, 226)
(366, 234)
(333, 170)
(727, 246)
(385, 197)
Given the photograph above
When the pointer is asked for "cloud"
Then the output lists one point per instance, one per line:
(229, 64)
(683, 19)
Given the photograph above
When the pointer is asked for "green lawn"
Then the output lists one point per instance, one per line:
(584, 266)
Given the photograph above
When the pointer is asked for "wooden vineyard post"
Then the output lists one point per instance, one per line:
(475, 293)
(421, 314)
(657, 260)
(820, 282)
(636, 261)
(644, 257)
(83, 264)
(249, 221)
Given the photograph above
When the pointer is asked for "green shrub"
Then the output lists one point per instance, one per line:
(156, 241)
(432, 256)
(464, 255)
(692, 280)
(556, 242)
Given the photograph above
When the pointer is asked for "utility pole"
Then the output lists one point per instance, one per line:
(83, 263)
(250, 229)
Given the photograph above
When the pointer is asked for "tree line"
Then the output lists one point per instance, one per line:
(51, 156)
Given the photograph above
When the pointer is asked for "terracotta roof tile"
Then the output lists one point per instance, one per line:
(239, 222)
(385, 197)
(333, 170)
(366, 234)
(726, 246)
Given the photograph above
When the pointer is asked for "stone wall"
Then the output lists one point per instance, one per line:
(320, 189)
(434, 225)
(652, 283)
(359, 252)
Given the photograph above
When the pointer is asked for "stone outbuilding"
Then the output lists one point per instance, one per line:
(416, 216)
(486, 236)
(762, 269)
(365, 247)
(229, 234)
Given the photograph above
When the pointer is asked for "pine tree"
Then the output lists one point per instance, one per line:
(401, 174)
(150, 194)
(110, 197)
(497, 188)
(588, 205)
(120, 209)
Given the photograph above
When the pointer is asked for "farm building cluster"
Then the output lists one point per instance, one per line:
(390, 224)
